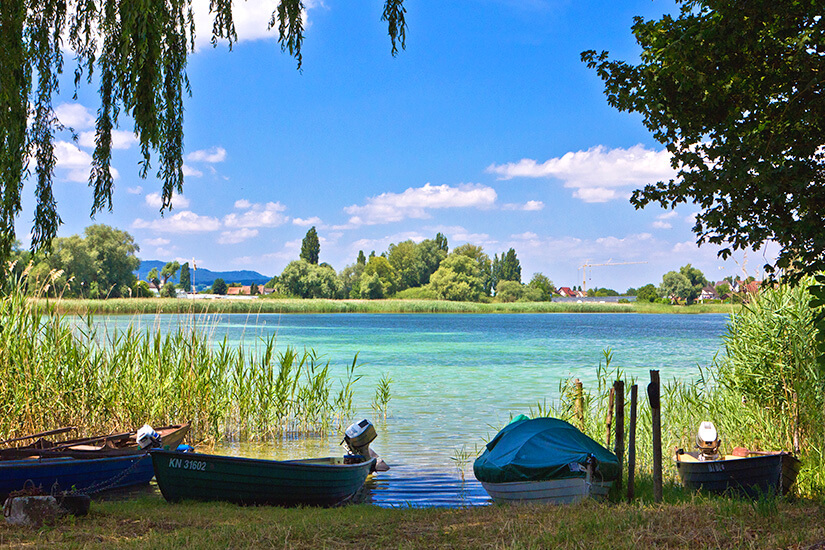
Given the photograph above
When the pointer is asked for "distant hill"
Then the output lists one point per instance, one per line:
(204, 277)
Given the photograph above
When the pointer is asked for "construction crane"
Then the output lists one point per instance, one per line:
(587, 264)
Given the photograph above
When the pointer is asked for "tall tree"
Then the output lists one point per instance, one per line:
(735, 92)
(115, 257)
(311, 247)
(405, 258)
(169, 271)
(138, 52)
(510, 267)
(485, 266)
(185, 277)
(362, 260)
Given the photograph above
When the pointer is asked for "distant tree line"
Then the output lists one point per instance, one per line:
(424, 270)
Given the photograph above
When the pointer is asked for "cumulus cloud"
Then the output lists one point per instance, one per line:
(121, 139)
(251, 19)
(416, 201)
(189, 172)
(598, 174)
(242, 204)
(134, 190)
(529, 206)
(314, 220)
(660, 224)
(237, 236)
(212, 155)
(75, 161)
(156, 201)
(74, 115)
(182, 222)
(258, 215)
(160, 241)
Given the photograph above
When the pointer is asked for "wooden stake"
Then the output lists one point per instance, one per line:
(578, 395)
(631, 445)
(618, 387)
(653, 395)
(609, 422)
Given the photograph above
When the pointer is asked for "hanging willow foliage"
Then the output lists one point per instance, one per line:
(137, 50)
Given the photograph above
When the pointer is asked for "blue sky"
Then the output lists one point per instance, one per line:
(488, 128)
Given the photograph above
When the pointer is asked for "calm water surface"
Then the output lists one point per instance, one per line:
(457, 379)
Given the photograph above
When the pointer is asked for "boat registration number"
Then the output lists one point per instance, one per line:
(198, 465)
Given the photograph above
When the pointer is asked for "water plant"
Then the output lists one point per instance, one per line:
(58, 371)
(383, 394)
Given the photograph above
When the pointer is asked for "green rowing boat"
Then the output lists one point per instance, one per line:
(313, 482)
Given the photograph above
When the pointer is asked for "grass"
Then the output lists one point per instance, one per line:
(700, 522)
(120, 306)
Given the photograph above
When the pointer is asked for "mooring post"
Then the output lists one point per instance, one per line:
(653, 395)
(609, 422)
(618, 388)
(578, 396)
(631, 445)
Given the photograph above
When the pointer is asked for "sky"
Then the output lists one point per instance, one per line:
(488, 128)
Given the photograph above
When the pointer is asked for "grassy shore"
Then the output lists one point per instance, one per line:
(700, 522)
(117, 306)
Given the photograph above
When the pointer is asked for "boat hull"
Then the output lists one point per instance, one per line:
(82, 475)
(749, 476)
(552, 491)
(318, 482)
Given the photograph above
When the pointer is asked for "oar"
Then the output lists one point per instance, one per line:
(90, 440)
(41, 434)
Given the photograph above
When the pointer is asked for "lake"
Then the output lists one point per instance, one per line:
(457, 379)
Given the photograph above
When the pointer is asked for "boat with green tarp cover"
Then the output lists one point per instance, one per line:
(312, 482)
(545, 460)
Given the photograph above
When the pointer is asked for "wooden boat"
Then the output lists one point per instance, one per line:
(84, 470)
(93, 447)
(744, 472)
(545, 460)
(314, 482)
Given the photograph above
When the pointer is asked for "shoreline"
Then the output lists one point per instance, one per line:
(133, 306)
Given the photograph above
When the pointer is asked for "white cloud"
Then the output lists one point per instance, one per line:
(156, 201)
(160, 241)
(668, 215)
(182, 222)
(314, 220)
(242, 204)
(189, 172)
(250, 17)
(659, 224)
(526, 236)
(258, 215)
(237, 236)
(74, 115)
(414, 203)
(121, 139)
(597, 174)
(212, 155)
(529, 206)
(134, 190)
(75, 161)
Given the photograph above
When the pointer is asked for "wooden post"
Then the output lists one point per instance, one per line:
(578, 396)
(618, 387)
(631, 445)
(609, 421)
(653, 396)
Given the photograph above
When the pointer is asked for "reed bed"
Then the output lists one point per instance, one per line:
(55, 372)
(120, 306)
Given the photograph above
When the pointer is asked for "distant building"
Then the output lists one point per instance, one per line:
(567, 292)
(708, 293)
(239, 291)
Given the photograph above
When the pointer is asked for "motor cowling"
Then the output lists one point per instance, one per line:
(147, 437)
(357, 439)
(707, 441)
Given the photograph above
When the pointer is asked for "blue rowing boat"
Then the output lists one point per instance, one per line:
(83, 470)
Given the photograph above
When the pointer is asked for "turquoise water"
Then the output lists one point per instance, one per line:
(457, 379)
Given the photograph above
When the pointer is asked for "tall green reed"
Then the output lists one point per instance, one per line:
(57, 371)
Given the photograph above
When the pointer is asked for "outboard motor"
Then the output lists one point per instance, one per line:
(357, 439)
(147, 437)
(707, 441)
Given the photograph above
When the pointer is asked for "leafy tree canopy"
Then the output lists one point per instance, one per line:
(735, 92)
(138, 52)
(311, 247)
